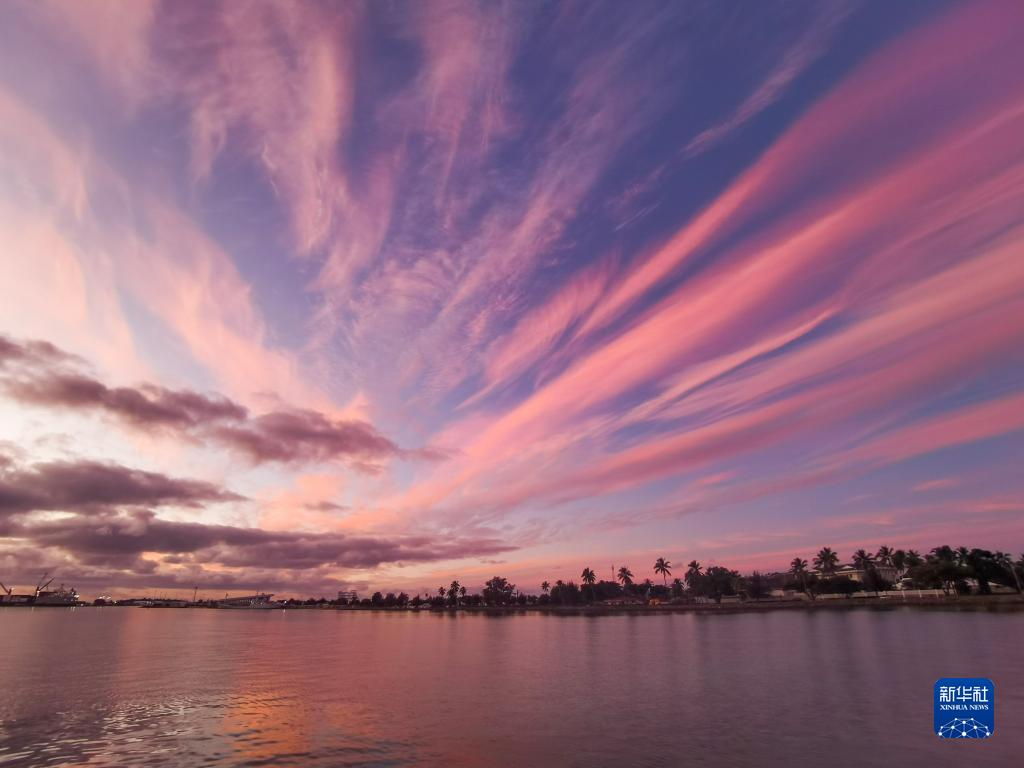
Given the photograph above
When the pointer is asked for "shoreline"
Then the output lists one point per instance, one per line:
(963, 603)
(995, 603)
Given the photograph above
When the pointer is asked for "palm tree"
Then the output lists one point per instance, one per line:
(693, 573)
(826, 561)
(453, 592)
(863, 560)
(899, 562)
(545, 587)
(914, 558)
(884, 555)
(664, 567)
(982, 565)
(626, 577)
(677, 587)
(589, 578)
(558, 590)
(798, 567)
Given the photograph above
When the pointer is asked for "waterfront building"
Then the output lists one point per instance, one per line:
(887, 572)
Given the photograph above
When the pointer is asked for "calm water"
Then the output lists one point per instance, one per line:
(132, 686)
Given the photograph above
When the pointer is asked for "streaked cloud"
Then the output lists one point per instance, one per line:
(426, 286)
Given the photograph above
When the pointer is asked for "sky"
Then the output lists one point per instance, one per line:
(315, 296)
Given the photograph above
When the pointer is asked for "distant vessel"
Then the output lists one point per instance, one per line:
(8, 599)
(42, 596)
(259, 600)
(59, 596)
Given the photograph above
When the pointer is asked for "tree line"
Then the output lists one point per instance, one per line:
(946, 568)
(954, 570)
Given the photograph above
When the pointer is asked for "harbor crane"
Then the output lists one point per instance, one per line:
(41, 586)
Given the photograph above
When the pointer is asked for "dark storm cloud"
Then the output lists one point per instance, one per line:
(72, 486)
(37, 373)
(31, 352)
(111, 533)
(136, 549)
(121, 537)
(99, 574)
(324, 506)
(144, 406)
(289, 436)
(108, 533)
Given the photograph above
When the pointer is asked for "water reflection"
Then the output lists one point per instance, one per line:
(139, 687)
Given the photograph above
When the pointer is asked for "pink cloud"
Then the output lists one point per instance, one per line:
(537, 332)
(279, 75)
(112, 37)
(175, 270)
(936, 485)
(810, 45)
(904, 79)
(811, 322)
(894, 210)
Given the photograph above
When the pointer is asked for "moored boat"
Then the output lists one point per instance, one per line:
(259, 600)
(42, 596)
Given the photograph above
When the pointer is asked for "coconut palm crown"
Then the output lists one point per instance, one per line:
(826, 561)
(625, 576)
(664, 567)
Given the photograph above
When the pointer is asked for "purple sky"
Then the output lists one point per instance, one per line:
(300, 296)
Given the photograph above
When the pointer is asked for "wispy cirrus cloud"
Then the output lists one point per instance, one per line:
(663, 270)
(108, 244)
(868, 345)
(812, 43)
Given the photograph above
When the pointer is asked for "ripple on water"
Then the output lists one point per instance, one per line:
(183, 731)
(318, 690)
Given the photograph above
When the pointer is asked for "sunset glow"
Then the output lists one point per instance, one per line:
(309, 296)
